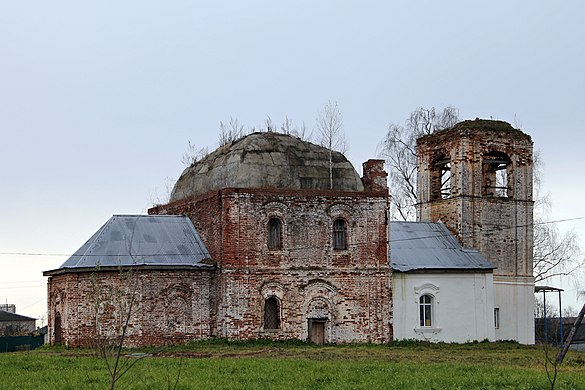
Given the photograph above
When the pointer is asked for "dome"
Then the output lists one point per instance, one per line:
(267, 160)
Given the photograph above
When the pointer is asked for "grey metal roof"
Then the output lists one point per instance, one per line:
(430, 246)
(142, 240)
(7, 316)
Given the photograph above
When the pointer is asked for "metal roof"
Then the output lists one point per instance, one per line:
(7, 316)
(141, 240)
(430, 246)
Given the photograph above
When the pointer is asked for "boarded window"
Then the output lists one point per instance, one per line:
(274, 234)
(271, 313)
(339, 234)
(58, 334)
(425, 306)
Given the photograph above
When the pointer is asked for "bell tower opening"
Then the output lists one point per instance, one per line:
(496, 171)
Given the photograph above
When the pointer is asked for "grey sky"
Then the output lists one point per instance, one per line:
(99, 98)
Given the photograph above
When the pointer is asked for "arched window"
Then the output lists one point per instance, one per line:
(271, 313)
(496, 168)
(441, 179)
(275, 233)
(339, 234)
(425, 307)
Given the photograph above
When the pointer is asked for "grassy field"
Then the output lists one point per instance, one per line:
(267, 365)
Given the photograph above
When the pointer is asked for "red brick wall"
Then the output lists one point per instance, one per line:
(168, 306)
(351, 288)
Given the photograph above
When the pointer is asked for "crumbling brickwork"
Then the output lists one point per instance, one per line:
(169, 306)
(348, 289)
(489, 202)
(299, 250)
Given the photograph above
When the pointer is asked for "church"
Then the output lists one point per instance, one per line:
(270, 236)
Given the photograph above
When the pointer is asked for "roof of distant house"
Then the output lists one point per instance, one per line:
(579, 336)
(7, 316)
(431, 246)
(141, 240)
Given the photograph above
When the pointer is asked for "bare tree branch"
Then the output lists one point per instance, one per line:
(331, 135)
(398, 148)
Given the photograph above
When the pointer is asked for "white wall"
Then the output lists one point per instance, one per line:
(463, 306)
(515, 298)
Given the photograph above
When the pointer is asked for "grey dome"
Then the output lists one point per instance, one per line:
(267, 160)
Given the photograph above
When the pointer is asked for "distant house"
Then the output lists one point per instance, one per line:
(12, 324)
(579, 338)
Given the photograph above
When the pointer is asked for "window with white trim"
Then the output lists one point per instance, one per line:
(425, 307)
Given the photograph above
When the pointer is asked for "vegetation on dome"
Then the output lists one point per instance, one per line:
(484, 124)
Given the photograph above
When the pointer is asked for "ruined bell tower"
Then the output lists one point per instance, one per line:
(476, 177)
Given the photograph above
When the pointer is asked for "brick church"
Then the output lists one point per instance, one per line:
(273, 237)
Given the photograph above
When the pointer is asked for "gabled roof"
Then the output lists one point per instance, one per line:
(141, 240)
(431, 246)
(7, 316)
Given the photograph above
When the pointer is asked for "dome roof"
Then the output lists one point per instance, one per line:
(267, 160)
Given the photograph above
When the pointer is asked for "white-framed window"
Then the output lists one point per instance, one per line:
(497, 317)
(426, 304)
(425, 310)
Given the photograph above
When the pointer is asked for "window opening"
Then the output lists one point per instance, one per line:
(271, 313)
(339, 234)
(441, 179)
(274, 234)
(425, 304)
(495, 169)
(444, 168)
(497, 317)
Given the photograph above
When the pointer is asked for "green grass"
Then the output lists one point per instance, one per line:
(219, 364)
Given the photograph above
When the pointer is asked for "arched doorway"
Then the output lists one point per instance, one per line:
(58, 335)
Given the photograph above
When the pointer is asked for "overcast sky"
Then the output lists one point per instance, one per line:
(98, 99)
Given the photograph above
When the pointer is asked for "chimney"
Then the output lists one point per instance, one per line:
(374, 176)
(10, 308)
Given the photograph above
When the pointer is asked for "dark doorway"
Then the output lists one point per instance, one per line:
(58, 337)
(317, 331)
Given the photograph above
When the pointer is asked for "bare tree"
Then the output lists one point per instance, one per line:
(115, 301)
(289, 128)
(192, 155)
(269, 124)
(550, 363)
(331, 135)
(398, 148)
(555, 254)
(230, 131)
(113, 309)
